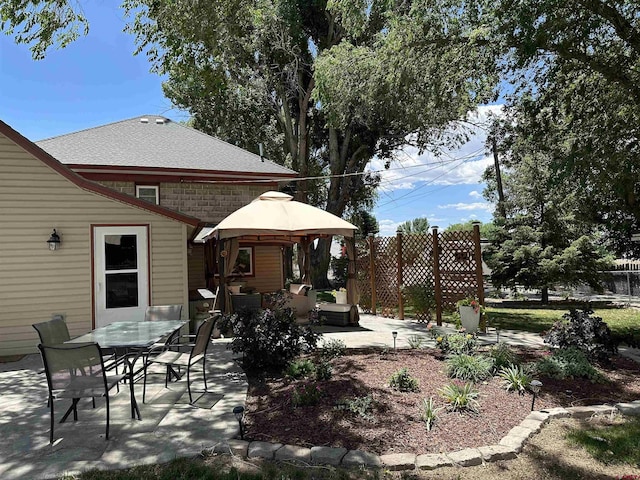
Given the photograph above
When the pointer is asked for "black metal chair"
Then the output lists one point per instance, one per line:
(76, 371)
(174, 358)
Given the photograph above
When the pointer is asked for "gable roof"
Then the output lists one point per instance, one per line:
(153, 141)
(88, 185)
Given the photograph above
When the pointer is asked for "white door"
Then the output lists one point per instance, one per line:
(121, 274)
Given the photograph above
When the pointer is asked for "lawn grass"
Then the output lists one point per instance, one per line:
(610, 444)
(541, 318)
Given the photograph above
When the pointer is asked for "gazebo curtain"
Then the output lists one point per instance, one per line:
(231, 248)
(304, 252)
(353, 295)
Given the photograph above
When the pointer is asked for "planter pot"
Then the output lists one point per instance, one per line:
(469, 319)
(341, 297)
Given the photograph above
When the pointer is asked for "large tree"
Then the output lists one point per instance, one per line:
(326, 86)
(540, 240)
(577, 66)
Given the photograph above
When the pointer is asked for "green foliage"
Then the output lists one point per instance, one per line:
(332, 348)
(515, 378)
(422, 298)
(429, 413)
(403, 381)
(360, 406)
(502, 355)
(460, 398)
(300, 368)
(611, 444)
(269, 339)
(324, 371)
(416, 226)
(457, 343)
(584, 331)
(568, 363)
(486, 229)
(415, 342)
(305, 394)
(469, 367)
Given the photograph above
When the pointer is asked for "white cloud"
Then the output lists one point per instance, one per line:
(475, 194)
(460, 166)
(388, 227)
(469, 206)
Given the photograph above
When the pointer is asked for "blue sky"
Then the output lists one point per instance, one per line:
(97, 80)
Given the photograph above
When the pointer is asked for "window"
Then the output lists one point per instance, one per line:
(148, 193)
(244, 263)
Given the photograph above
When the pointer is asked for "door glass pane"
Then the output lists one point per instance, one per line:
(120, 252)
(122, 290)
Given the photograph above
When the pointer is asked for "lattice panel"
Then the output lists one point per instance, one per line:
(457, 267)
(417, 265)
(386, 264)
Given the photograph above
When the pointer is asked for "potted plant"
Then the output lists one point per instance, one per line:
(470, 310)
(340, 295)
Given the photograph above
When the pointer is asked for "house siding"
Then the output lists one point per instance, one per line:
(207, 201)
(36, 283)
(268, 263)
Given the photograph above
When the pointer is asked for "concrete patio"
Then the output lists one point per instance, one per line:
(170, 426)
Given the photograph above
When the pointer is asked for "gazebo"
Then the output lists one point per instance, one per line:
(274, 217)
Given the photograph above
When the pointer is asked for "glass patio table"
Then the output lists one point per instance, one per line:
(130, 340)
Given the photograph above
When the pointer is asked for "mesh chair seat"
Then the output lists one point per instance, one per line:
(76, 371)
(172, 358)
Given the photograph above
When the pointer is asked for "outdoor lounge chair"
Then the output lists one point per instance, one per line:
(175, 358)
(76, 371)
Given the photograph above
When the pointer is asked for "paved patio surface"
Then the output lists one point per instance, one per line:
(170, 426)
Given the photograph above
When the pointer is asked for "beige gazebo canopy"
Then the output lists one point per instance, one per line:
(276, 217)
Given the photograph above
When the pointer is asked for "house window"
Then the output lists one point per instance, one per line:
(148, 193)
(244, 262)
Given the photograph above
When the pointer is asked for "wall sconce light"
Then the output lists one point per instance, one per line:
(395, 335)
(54, 241)
(535, 386)
(239, 413)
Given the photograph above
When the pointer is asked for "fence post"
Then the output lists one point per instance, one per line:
(479, 278)
(372, 272)
(400, 280)
(436, 274)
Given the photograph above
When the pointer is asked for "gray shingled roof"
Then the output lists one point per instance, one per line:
(158, 142)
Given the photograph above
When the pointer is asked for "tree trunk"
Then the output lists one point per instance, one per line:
(320, 260)
(544, 293)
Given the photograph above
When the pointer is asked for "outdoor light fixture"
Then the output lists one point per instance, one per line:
(395, 335)
(239, 413)
(535, 386)
(54, 241)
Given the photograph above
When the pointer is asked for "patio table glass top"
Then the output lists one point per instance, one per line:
(130, 334)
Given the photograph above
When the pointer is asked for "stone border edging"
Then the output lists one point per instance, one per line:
(508, 447)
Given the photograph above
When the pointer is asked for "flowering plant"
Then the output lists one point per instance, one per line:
(472, 302)
(342, 290)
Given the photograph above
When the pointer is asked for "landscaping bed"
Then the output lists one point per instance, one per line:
(393, 422)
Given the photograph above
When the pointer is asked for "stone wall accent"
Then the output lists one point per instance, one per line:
(509, 446)
(209, 202)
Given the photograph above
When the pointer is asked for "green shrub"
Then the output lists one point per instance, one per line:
(300, 368)
(415, 342)
(422, 298)
(429, 413)
(269, 339)
(324, 371)
(581, 330)
(568, 363)
(305, 394)
(333, 348)
(502, 356)
(515, 378)
(361, 406)
(456, 343)
(469, 367)
(403, 382)
(460, 397)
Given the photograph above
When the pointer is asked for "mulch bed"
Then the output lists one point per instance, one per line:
(396, 425)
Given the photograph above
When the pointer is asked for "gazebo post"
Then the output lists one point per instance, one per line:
(222, 287)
